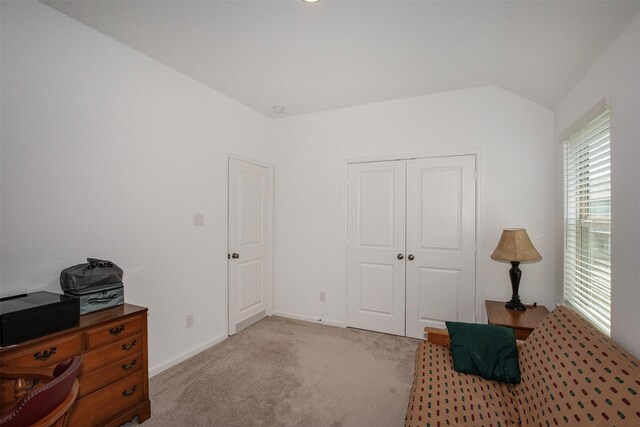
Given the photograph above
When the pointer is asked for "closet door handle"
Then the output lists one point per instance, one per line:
(411, 257)
(235, 256)
(400, 256)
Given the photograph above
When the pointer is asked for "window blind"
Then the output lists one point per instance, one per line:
(587, 231)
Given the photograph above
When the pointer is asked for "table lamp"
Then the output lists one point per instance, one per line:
(515, 247)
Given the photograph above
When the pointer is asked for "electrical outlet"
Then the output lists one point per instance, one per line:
(323, 296)
(189, 320)
(198, 220)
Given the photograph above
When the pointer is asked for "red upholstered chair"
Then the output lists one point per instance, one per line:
(44, 405)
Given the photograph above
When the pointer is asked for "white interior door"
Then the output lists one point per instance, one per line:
(249, 263)
(376, 235)
(441, 220)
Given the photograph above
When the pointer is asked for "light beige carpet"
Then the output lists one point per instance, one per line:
(282, 372)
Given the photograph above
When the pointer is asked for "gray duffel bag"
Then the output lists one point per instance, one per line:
(94, 273)
(93, 299)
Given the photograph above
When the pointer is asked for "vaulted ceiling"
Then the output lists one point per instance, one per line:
(339, 53)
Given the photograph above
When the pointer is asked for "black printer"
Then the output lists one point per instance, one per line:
(28, 316)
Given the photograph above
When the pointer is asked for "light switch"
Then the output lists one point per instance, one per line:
(198, 220)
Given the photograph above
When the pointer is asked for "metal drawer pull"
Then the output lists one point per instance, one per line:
(129, 392)
(116, 330)
(129, 365)
(46, 354)
(129, 346)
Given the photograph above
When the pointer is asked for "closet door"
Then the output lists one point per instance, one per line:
(376, 243)
(440, 242)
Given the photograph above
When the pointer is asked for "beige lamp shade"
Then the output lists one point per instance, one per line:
(515, 245)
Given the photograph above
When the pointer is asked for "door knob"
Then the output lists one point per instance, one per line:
(400, 256)
(410, 257)
(235, 256)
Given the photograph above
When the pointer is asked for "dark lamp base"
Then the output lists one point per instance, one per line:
(515, 304)
(515, 274)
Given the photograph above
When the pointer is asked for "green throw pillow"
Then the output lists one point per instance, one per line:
(485, 350)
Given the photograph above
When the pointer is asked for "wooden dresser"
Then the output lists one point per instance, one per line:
(114, 379)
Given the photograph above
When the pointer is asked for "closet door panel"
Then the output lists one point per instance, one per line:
(445, 283)
(376, 235)
(441, 240)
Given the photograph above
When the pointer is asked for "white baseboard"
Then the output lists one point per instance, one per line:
(311, 319)
(184, 356)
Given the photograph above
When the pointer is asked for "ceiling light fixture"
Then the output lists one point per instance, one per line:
(311, 1)
(278, 109)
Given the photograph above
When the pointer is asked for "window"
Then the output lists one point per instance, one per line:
(587, 215)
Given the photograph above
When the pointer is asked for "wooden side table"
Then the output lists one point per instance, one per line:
(522, 322)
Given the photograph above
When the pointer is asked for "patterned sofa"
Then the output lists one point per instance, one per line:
(571, 374)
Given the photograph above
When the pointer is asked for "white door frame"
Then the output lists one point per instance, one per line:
(477, 152)
(269, 168)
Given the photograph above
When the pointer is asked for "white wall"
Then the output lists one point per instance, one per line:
(616, 74)
(513, 136)
(107, 153)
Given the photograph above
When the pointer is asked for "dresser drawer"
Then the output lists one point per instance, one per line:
(111, 353)
(97, 379)
(112, 332)
(95, 408)
(47, 354)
